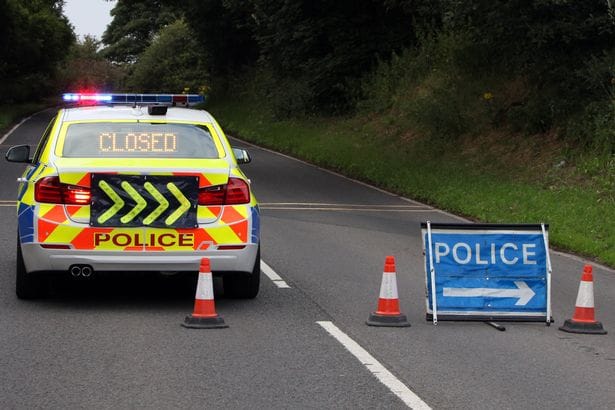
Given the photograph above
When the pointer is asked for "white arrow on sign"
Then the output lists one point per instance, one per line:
(523, 292)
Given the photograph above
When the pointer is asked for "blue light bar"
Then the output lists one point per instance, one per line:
(92, 98)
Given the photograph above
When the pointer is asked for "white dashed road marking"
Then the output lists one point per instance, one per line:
(275, 278)
(376, 368)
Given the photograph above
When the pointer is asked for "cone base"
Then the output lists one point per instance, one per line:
(387, 321)
(572, 326)
(215, 322)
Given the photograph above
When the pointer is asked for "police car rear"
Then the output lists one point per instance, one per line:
(132, 185)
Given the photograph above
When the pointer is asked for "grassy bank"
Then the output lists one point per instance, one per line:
(12, 113)
(492, 179)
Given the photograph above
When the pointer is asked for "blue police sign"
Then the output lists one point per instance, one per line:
(487, 272)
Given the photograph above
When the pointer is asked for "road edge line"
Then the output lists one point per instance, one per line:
(9, 132)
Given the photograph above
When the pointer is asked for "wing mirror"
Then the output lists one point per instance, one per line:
(242, 156)
(19, 153)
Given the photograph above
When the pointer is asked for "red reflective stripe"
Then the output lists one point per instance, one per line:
(56, 214)
(45, 229)
(203, 181)
(230, 215)
(85, 181)
(241, 230)
(200, 236)
(73, 209)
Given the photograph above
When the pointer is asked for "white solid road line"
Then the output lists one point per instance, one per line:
(386, 377)
(5, 136)
(275, 278)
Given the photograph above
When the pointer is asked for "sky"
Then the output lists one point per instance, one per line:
(89, 16)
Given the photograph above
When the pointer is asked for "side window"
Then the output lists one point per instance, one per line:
(43, 142)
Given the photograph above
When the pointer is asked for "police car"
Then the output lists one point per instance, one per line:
(131, 182)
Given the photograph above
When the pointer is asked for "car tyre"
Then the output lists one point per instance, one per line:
(241, 285)
(27, 285)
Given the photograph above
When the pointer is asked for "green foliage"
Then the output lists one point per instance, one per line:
(34, 38)
(171, 63)
(316, 49)
(223, 29)
(135, 24)
(548, 42)
(85, 69)
(594, 128)
(327, 45)
(505, 64)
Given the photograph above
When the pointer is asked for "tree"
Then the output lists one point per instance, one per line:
(547, 43)
(86, 69)
(134, 26)
(329, 44)
(224, 29)
(171, 63)
(34, 38)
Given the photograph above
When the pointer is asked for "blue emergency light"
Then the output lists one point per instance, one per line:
(169, 99)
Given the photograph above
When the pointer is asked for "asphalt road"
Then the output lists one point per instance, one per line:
(111, 343)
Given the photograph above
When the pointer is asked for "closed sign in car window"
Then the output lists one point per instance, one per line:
(129, 140)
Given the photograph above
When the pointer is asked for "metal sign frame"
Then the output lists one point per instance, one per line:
(497, 300)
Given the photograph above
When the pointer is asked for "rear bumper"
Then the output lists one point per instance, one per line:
(39, 259)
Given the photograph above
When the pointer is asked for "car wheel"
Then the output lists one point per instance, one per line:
(27, 285)
(241, 285)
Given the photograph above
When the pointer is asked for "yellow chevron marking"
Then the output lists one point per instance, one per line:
(242, 210)
(44, 209)
(204, 212)
(164, 204)
(118, 203)
(141, 203)
(63, 234)
(82, 213)
(183, 201)
(223, 235)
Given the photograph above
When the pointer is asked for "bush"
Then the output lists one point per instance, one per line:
(171, 63)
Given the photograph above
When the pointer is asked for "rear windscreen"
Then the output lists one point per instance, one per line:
(136, 139)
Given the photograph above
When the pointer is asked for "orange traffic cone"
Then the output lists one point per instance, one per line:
(204, 315)
(388, 313)
(583, 320)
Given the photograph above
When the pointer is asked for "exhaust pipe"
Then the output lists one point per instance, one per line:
(75, 270)
(81, 271)
(86, 271)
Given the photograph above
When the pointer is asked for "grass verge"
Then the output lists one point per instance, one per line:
(497, 179)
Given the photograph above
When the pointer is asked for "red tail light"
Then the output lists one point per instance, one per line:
(51, 190)
(213, 195)
(235, 192)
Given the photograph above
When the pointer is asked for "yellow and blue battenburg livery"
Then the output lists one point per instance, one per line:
(131, 182)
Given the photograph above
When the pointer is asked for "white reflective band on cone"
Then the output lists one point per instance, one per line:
(388, 287)
(205, 288)
(585, 297)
